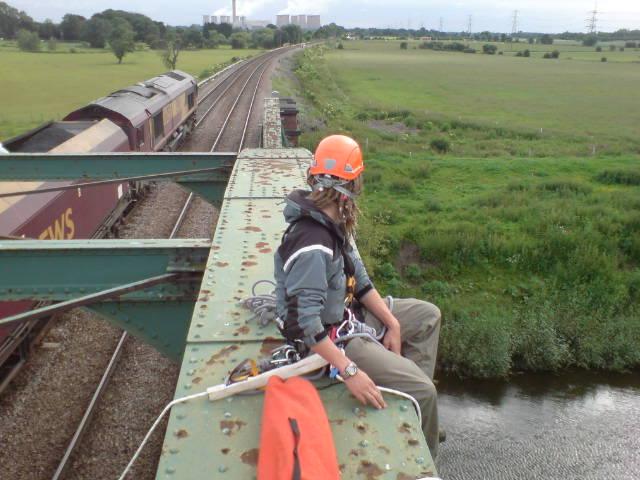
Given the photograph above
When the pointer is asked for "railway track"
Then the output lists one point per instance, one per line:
(111, 366)
(225, 110)
(109, 417)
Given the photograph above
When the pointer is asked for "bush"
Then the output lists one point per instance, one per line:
(440, 145)
(622, 49)
(527, 53)
(489, 49)
(476, 343)
(555, 54)
(469, 50)
(28, 41)
(590, 41)
(565, 187)
(612, 48)
(546, 40)
(603, 59)
(404, 45)
(239, 40)
(619, 177)
(422, 170)
(401, 185)
(410, 122)
(72, 50)
(52, 44)
(599, 49)
(340, 46)
(631, 45)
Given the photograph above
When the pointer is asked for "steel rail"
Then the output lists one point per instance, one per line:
(106, 376)
(253, 100)
(233, 107)
(234, 77)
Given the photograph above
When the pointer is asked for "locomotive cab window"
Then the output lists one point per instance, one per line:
(190, 100)
(158, 126)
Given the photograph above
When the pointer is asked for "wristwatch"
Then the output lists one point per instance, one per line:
(350, 371)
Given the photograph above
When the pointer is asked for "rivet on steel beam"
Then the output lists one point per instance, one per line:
(197, 335)
(404, 408)
(356, 410)
(187, 386)
(222, 468)
(173, 451)
(226, 431)
(227, 414)
(387, 467)
(364, 443)
(193, 360)
(181, 416)
(170, 470)
(420, 460)
(191, 372)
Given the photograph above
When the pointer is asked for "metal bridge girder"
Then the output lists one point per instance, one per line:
(204, 173)
(65, 269)
(163, 325)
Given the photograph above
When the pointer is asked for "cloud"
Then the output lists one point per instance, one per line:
(313, 7)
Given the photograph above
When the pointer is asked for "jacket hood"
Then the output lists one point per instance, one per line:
(298, 206)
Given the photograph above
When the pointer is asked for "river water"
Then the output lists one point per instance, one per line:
(574, 426)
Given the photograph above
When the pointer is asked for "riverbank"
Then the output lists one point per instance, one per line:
(530, 249)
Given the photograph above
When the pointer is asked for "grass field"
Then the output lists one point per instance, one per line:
(37, 87)
(533, 258)
(562, 95)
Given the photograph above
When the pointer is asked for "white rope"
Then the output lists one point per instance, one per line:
(398, 393)
(204, 394)
(153, 427)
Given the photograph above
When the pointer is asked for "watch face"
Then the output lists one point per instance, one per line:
(351, 370)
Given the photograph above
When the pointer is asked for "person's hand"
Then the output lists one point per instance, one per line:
(392, 339)
(363, 388)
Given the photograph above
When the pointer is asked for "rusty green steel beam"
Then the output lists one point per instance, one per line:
(222, 438)
(59, 270)
(204, 173)
(147, 287)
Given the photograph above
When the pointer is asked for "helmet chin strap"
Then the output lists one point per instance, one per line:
(325, 181)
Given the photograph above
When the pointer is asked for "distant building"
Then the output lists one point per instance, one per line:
(241, 21)
(313, 22)
(282, 20)
(225, 19)
(214, 19)
(206, 19)
(299, 20)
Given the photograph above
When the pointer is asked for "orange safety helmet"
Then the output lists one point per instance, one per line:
(339, 156)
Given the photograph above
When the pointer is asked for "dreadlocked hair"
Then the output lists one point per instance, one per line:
(348, 210)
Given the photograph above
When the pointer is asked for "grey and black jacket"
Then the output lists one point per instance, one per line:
(310, 272)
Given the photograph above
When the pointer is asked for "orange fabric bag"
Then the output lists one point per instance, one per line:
(295, 439)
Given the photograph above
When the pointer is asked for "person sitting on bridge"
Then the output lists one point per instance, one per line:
(318, 272)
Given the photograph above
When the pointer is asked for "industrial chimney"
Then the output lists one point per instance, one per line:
(234, 18)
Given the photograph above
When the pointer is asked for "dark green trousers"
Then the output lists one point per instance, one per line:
(411, 373)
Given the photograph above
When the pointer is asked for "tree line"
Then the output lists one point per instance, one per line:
(121, 31)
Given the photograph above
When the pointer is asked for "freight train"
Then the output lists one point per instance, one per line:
(156, 115)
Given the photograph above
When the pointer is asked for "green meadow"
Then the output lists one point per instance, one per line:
(38, 87)
(506, 190)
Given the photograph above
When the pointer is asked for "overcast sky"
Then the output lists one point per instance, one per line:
(497, 15)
